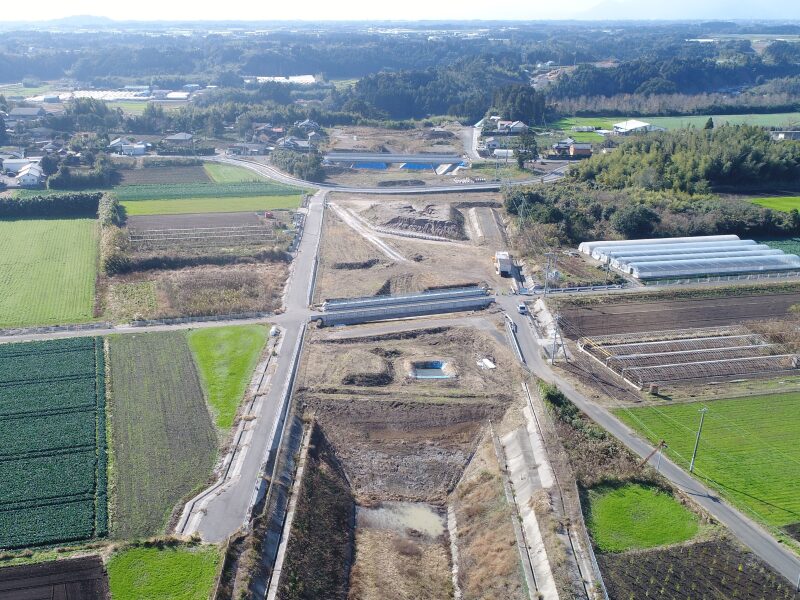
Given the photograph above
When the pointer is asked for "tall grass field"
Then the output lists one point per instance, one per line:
(47, 271)
(749, 449)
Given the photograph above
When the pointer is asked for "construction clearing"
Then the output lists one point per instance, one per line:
(689, 354)
(377, 246)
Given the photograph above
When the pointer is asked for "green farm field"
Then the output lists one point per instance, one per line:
(763, 120)
(224, 173)
(163, 440)
(187, 198)
(53, 464)
(781, 203)
(177, 191)
(47, 271)
(170, 573)
(634, 517)
(790, 245)
(226, 358)
(749, 449)
(209, 205)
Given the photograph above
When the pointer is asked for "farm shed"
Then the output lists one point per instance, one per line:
(699, 256)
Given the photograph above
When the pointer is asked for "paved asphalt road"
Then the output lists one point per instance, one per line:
(273, 173)
(226, 512)
(749, 533)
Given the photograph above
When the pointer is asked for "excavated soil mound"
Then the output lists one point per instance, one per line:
(397, 450)
(441, 220)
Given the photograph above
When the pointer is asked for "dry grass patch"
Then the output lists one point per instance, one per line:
(489, 564)
(391, 565)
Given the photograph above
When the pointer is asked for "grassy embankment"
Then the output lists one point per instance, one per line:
(47, 271)
(226, 358)
(748, 450)
(163, 439)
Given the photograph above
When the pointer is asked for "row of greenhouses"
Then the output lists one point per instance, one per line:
(697, 256)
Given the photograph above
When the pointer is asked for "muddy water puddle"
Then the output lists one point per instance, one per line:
(401, 516)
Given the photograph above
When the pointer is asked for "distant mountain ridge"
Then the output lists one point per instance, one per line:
(614, 10)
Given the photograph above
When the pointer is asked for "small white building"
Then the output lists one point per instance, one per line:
(633, 126)
(30, 176)
(137, 149)
(491, 143)
(503, 153)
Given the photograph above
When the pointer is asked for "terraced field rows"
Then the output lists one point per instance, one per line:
(52, 442)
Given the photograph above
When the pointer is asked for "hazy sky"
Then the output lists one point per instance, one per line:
(149, 10)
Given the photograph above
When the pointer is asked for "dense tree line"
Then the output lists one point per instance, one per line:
(463, 89)
(671, 76)
(304, 166)
(102, 174)
(570, 212)
(695, 161)
(53, 205)
(630, 105)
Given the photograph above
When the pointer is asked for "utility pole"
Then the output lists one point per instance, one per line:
(703, 412)
(556, 318)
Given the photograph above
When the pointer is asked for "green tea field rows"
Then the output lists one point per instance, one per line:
(53, 466)
(749, 449)
(177, 191)
(47, 271)
(163, 440)
(226, 358)
(171, 573)
(634, 516)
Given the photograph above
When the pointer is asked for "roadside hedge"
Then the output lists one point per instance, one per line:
(73, 204)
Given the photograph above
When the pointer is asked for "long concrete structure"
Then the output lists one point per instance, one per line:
(389, 158)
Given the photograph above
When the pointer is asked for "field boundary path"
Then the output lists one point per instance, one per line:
(752, 535)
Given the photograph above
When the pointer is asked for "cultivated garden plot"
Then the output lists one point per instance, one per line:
(73, 579)
(52, 442)
(47, 271)
(680, 355)
(163, 438)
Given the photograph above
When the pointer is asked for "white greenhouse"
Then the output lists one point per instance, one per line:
(691, 257)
